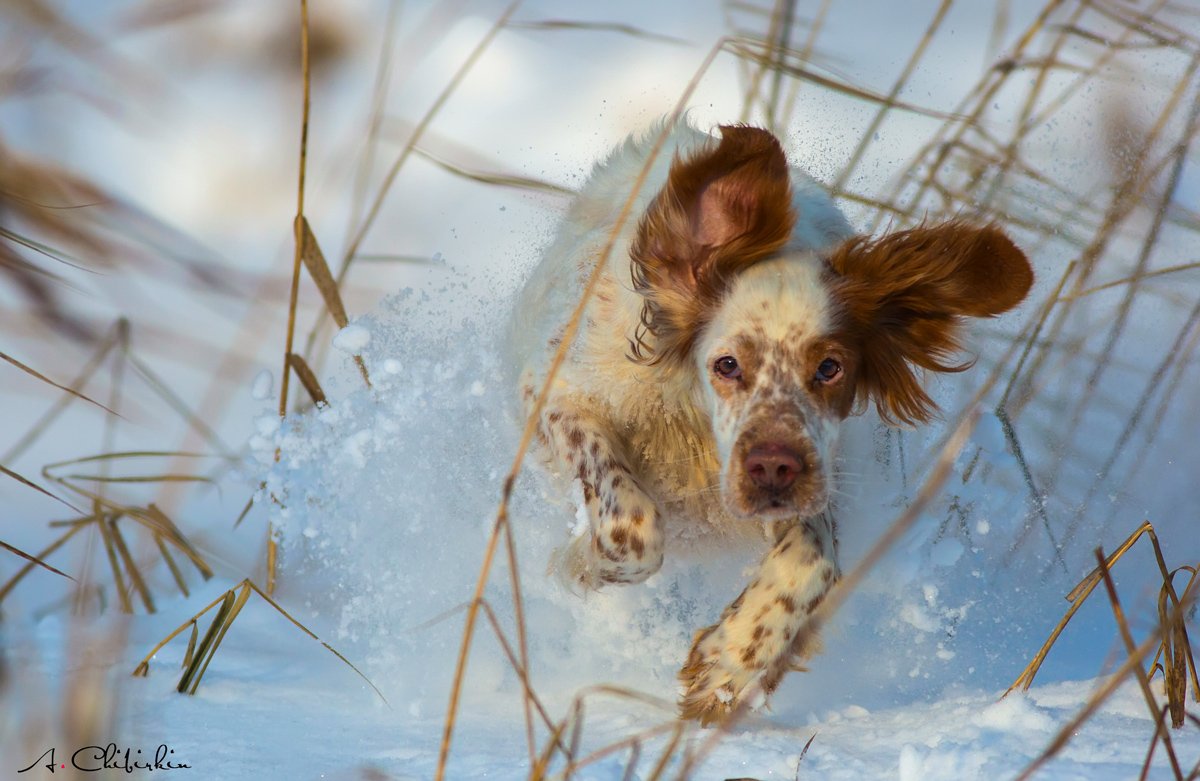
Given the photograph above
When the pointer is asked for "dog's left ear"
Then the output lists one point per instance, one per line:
(721, 210)
(903, 296)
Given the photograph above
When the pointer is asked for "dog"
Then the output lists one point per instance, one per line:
(736, 323)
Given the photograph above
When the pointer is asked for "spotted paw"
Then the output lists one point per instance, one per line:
(714, 680)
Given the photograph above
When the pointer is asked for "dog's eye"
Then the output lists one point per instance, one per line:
(829, 370)
(727, 367)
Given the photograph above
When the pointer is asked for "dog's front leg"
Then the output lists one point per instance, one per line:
(625, 542)
(761, 630)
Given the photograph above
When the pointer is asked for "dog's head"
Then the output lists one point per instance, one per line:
(784, 341)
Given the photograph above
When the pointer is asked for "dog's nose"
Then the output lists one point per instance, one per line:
(773, 466)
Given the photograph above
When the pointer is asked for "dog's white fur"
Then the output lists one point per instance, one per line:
(666, 449)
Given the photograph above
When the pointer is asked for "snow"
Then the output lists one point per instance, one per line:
(352, 339)
(276, 705)
(383, 502)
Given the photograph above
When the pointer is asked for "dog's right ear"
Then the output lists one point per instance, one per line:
(721, 210)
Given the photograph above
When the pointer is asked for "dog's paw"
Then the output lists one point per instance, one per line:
(576, 565)
(623, 545)
(713, 683)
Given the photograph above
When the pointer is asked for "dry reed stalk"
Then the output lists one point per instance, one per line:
(318, 270)
(43, 378)
(1101, 695)
(378, 100)
(519, 667)
(775, 43)
(40, 425)
(198, 655)
(945, 139)
(610, 27)
(33, 559)
(1161, 731)
(574, 722)
(25, 570)
(1178, 660)
(568, 336)
(494, 179)
(302, 170)
(892, 97)
(1125, 199)
(1117, 326)
(308, 379)
(756, 51)
(418, 132)
(805, 54)
(30, 484)
(298, 258)
(104, 518)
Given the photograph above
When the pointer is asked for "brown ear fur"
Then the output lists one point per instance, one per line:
(904, 295)
(721, 211)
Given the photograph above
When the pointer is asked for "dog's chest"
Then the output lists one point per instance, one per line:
(675, 454)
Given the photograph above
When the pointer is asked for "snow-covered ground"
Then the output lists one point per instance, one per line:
(387, 497)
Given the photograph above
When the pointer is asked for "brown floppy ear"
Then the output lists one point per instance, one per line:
(903, 297)
(721, 210)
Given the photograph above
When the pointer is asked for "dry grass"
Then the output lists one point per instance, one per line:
(1110, 239)
(1173, 658)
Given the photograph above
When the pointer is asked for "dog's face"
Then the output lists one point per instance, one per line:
(778, 380)
(783, 343)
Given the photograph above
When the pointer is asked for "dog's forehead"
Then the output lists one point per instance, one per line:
(780, 301)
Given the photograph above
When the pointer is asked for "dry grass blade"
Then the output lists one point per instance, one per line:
(612, 27)
(34, 559)
(1178, 660)
(1131, 280)
(192, 674)
(575, 722)
(415, 138)
(190, 652)
(173, 478)
(135, 575)
(40, 556)
(41, 425)
(310, 383)
(520, 670)
(172, 400)
(298, 258)
(868, 135)
(171, 565)
(199, 655)
(668, 752)
(30, 484)
(1076, 597)
(499, 180)
(318, 269)
(143, 667)
(1139, 672)
(309, 632)
(1158, 724)
(106, 535)
(161, 525)
(38, 375)
(751, 50)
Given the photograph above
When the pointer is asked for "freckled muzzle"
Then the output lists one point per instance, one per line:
(775, 471)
